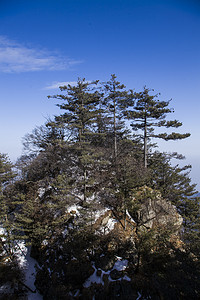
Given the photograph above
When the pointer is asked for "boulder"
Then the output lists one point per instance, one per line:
(155, 211)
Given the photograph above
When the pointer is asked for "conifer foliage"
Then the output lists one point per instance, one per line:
(149, 113)
(83, 198)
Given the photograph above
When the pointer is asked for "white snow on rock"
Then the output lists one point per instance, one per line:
(129, 216)
(5, 288)
(93, 279)
(29, 269)
(120, 264)
(18, 248)
(126, 278)
(20, 252)
(44, 243)
(139, 296)
(109, 225)
(65, 232)
(91, 198)
(2, 234)
(41, 192)
(27, 264)
(99, 213)
(75, 294)
(74, 208)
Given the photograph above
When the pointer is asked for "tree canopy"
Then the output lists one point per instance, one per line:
(88, 193)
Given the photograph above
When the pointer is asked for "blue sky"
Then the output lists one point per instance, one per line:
(44, 43)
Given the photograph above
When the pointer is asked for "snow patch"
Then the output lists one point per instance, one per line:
(2, 234)
(20, 252)
(126, 278)
(129, 216)
(64, 232)
(120, 264)
(29, 269)
(5, 288)
(139, 296)
(93, 279)
(41, 192)
(18, 248)
(75, 294)
(91, 198)
(44, 243)
(109, 226)
(74, 208)
(100, 213)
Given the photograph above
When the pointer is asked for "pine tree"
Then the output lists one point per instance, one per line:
(116, 101)
(149, 113)
(175, 185)
(81, 109)
(10, 234)
(43, 212)
(85, 157)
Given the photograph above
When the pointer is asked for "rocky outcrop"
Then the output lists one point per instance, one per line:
(124, 241)
(147, 210)
(155, 211)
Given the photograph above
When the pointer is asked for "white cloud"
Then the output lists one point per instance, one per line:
(17, 58)
(56, 85)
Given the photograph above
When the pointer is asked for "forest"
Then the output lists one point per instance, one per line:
(105, 214)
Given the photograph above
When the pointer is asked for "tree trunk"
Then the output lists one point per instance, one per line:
(85, 186)
(115, 134)
(145, 143)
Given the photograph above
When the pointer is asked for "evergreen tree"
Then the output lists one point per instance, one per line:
(149, 113)
(6, 172)
(171, 180)
(175, 185)
(116, 101)
(43, 212)
(8, 233)
(84, 161)
(11, 235)
(81, 108)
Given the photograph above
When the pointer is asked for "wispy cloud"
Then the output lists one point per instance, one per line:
(17, 58)
(56, 85)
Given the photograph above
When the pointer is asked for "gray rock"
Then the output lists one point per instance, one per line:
(105, 263)
(154, 210)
